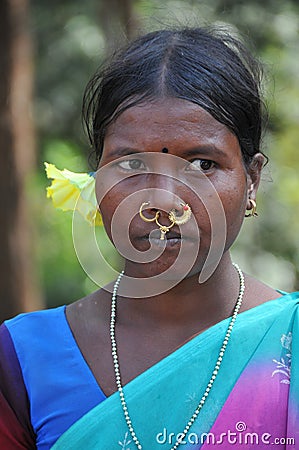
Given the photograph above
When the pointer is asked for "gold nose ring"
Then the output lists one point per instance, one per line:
(143, 216)
(172, 216)
(183, 218)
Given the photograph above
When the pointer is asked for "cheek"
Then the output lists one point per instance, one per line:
(224, 209)
(234, 205)
(107, 207)
(118, 210)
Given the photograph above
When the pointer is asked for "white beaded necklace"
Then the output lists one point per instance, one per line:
(210, 383)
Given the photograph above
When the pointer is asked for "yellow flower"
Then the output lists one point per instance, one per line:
(73, 191)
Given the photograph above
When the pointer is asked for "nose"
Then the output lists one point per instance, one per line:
(164, 196)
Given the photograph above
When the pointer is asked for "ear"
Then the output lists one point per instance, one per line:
(253, 177)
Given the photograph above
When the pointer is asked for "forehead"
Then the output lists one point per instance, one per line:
(166, 122)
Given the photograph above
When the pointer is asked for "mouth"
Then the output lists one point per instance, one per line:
(171, 238)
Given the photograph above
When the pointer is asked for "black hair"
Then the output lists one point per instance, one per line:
(206, 66)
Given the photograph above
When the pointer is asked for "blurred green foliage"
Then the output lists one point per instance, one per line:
(70, 45)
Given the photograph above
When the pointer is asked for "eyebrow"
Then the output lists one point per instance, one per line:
(124, 151)
(202, 149)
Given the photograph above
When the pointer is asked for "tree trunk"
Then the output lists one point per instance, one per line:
(117, 21)
(18, 290)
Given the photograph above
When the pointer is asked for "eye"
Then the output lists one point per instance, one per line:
(201, 164)
(132, 164)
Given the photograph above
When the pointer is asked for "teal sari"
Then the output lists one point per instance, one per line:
(253, 403)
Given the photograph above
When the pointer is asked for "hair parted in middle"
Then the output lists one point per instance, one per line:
(206, 66)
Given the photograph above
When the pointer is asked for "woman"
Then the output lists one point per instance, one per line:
(183, 350)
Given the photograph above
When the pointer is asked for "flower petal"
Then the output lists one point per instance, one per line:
(73, 191)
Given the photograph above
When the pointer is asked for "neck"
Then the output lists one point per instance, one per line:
(188, 303)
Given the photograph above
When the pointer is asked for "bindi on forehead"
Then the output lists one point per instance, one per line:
(164, 150)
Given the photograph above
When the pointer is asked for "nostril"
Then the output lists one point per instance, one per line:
(178, 212)
(154, 214)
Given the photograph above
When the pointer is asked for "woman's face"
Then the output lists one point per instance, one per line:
(166, 152)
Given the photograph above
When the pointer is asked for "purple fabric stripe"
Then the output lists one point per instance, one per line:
(11, 381)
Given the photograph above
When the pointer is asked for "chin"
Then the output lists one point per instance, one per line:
(167, 269)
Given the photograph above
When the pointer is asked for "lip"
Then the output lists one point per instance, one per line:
(171, 238)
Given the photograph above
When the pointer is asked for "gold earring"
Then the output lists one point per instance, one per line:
(253, 212)
(183, 218)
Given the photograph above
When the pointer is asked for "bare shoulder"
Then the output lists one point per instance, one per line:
(257, 293)
(91, 310)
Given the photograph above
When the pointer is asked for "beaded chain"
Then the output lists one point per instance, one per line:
(211, 381)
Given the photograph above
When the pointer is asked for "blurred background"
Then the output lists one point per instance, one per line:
(48, 52)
